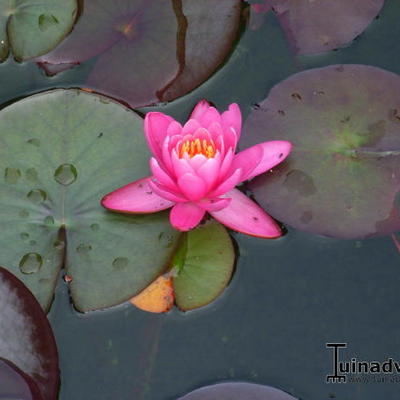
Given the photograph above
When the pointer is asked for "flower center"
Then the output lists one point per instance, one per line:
(197, 146)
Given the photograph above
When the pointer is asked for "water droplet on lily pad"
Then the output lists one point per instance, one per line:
(30, 263)
(84, 248)
(120, 263)
(65, 174)
(37, 196)
(24, 235)
(95, 227)
(49, 220)
(31, 174)
(12, 175)
(34, 142)
(24, 214)
(342, 176)
(58, 244)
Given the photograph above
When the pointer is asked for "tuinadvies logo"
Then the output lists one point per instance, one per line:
(341, 369)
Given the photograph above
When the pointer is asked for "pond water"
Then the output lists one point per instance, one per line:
(288, 297)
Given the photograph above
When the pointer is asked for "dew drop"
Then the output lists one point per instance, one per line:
(23, 214)
(65, 174)
(31, 174)
(58, 244)
(120, 263)
(37, 196)
(34, 142)
(11, 175)
(24, 235)
(30, 263)
(49, 220)
(95, 227)
(84, 248)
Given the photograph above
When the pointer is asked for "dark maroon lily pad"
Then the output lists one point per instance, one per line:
(237, 391)
(26, 342)
(149, 50)
(343, 175)
(15, 384)
(314, 26)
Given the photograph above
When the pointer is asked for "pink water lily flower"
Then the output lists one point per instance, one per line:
(195, 170)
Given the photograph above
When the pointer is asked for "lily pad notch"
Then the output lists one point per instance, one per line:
(31, 29)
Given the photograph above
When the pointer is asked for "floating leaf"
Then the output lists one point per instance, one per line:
(158, 297)
(320, 25)
(26, 343)
(204, 264)
(343, 174)
(149, 50)
(32, 28)
(237, 391)
(69, 150)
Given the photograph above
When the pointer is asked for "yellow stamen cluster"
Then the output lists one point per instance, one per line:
(197, 146)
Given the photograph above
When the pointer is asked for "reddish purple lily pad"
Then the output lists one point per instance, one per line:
(343, 175)
(149, 50)
(314, 26)
(237, 391)
(15, 384)
(26, 342)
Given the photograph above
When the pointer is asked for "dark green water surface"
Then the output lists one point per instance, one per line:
(288, 297)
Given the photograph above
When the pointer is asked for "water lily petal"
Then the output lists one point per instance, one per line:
(155, 127)
(273, 153)
(232, 118)
(243, 215)
(174, 128)
(228, 184)
(181, 166)
(161, 175)
(230, 138)
(166, 193)
(137, 198)
(248, 160)
(209, 171)
(211, 115)
(166, 156)
(226, 163)
(197, 161)
(202, 133)
(201, 107)
(215, 204)
(192, 186)
(215, 130)
(186, 216)
(191, 126)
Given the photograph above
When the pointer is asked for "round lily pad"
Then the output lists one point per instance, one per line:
(204, 264)
(32, 28)
(59, 159)
(28, 352)
(237, 391)
(343, 175)
(149, 51)
(320, 25)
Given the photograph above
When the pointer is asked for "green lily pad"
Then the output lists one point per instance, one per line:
(204, 264)
(60, 152)
(343, 176)
(34, 27)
